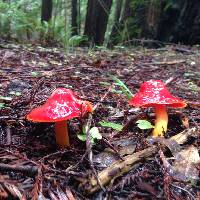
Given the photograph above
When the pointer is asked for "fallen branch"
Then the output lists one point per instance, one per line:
(29, 170)
(172, 62)
(121, 167)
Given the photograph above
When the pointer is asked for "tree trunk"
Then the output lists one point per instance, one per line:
(79, 17)
(74, 17)
(180, 22)
(147, 18)
(97, 19)
(125, 23)
(153, 17)
(115, 32)
(46, 12)
(188, 26)
(126, 11)
(167, 20)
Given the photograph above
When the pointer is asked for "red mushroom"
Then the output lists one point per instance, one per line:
(154, 93)
(61, 106)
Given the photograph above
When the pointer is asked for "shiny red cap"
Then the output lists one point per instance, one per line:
(154, 92)
(61, 105)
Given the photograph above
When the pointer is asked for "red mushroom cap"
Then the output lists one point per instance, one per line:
(154, 92)
(61, 105)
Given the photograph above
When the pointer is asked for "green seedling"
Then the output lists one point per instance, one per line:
(120, 47)
(76, 40)
(115, 126)
(104, 83)
(117, 91)
(34, 74)
(193, 86)
(15, 93)
(67, 86)
(94, 135)
(144, 124)
(5, 98)
(123, 88)
(2, 105)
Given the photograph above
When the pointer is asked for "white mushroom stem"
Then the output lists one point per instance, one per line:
(161, 121)
(61, 131)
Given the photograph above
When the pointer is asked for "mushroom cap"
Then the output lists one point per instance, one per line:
(153, 93)
(61, 105)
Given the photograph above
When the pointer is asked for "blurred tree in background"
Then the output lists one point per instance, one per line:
(100, 22)
(96, 20)
(46, 13)
(74, 22)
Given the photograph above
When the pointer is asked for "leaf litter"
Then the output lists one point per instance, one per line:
(32, 167)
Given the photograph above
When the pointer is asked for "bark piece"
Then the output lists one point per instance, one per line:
(121, 167)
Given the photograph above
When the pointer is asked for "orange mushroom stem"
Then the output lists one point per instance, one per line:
(161, 121)
(61, 133)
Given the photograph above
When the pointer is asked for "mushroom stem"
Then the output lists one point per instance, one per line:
(62, 137)
(161, 121)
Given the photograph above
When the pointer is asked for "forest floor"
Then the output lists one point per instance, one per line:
(33, 167)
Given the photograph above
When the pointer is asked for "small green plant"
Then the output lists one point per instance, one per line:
(2, 105)
(144, 124)
(76, 40)
(94, 135)
(5, 98)
(123, 88)
(115, 126)
(15, 93)
(120, 87)
(34, 74)
(193, 86)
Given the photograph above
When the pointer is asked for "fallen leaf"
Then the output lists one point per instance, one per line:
(183, 168)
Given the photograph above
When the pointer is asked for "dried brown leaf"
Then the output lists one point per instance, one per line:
(13, 190)
(52, 195)
(69, 194)
(61, 194)
(183, 167)
(3, 193)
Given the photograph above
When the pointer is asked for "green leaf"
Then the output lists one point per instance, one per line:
(34, 74)
(95, 134)
(15, 93)
(77, 39)
(144, 124)
(112, 125)
(12, 92)
(2, 105)
(5, 98)
(67, 86)
(82, 137)
(117, 91)
(18, 94)
(104, 83)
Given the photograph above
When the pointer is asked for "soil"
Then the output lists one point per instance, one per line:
(31, 164)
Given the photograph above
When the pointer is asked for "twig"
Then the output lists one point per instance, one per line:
(88, 141)
(182, 50)
(103, 97)
(176, 186)
(120, 167)
(172, 62)
(29, 170)
(112, 147)
(8, 136)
